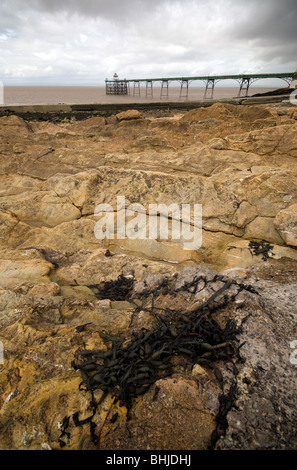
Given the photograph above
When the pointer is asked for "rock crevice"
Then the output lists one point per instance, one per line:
(63, 291)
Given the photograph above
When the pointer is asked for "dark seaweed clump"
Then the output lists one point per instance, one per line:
(118, 289)
(261, 248)
(130, 367)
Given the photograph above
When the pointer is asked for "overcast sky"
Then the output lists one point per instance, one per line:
(82, 42)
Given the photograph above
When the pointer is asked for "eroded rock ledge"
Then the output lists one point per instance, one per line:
(252, 406)
(239, 162)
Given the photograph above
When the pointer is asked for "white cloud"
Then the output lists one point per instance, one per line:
(75, 42)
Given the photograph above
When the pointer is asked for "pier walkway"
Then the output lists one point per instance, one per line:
(125, 86)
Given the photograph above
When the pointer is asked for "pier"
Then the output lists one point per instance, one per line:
(132, 86)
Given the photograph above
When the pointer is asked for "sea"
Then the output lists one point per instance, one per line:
(51, 95)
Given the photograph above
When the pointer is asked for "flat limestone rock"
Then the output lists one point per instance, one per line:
(286, 224)
(176, 419)
(64, 291)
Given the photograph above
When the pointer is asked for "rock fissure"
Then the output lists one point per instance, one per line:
(219, 320)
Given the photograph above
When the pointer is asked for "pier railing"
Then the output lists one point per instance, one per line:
(133, 85)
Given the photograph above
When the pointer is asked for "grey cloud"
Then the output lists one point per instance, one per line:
(284, 55)
(272, 20)
(110, 9)
(268, 28)
(86, 39)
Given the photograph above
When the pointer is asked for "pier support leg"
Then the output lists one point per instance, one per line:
(209, 89)
(184, 89)
(136, 88)
(164, 89)
(149, 89)
(244, 87)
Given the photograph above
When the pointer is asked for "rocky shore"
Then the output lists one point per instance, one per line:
(64, 292)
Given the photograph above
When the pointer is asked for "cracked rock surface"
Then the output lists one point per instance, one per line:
(63, 290)
(239, 162)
